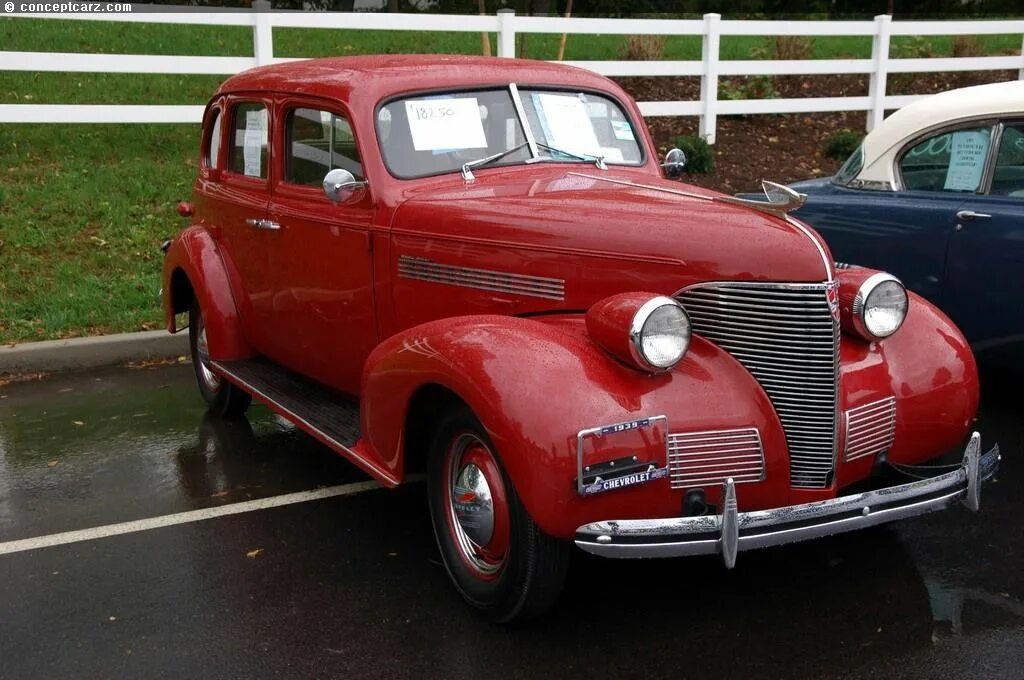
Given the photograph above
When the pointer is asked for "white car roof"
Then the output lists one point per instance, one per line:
(980, 101)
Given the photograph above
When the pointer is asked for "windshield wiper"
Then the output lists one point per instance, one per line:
(598, 161)
(467, 168)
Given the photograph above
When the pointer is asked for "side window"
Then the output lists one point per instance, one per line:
(213, 141)
(248, 153)
(317, 142)
(951, 161)
(1008, 177)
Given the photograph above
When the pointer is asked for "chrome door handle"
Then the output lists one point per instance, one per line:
(968, 215)
(263, 224)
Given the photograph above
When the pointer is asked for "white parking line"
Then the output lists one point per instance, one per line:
(186, 517)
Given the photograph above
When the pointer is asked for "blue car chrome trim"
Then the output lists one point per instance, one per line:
(733, 531)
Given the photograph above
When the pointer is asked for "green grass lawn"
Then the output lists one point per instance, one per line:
(83, 208)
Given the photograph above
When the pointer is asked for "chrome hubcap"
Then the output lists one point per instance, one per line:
(210, 379)
(474, 508)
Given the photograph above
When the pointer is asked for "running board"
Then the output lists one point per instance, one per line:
(319, 410)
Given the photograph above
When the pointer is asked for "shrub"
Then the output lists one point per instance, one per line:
(751, 87)
(913, 48)
(793, 47)
(840, 145)
(784, 47)
(700, 158)
(968, 46)
(643, 48)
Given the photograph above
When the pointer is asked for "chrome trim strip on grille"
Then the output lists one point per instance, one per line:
(424, 269)
(785, 334)
(701, 458)
(870, 429)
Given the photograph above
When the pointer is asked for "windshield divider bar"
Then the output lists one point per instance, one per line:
(521, 112)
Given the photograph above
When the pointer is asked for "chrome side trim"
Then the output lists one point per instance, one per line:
(870, 429)
(424, 269)
(713, 456)
(734, 531)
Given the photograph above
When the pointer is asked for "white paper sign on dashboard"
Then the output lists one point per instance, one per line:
(452, 123)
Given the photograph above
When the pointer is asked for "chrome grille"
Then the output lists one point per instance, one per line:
(698, 458)
(786, 336)
(870, 428)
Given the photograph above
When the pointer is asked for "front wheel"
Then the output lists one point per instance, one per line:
(221, 397)
(500, 561)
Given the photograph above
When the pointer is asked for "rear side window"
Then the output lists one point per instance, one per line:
(952, 161)
(248, 153)
(1008, 177)
(318, 142)
(213, 141)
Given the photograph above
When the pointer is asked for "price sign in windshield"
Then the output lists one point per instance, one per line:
(445, 124)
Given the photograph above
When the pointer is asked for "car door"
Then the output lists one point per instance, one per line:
(239, 209)
(903, 232)
(323, 312)
(986, 256)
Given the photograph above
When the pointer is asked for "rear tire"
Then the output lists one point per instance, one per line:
(221, 397)
(500, 561)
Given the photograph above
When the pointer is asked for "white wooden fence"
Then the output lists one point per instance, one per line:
(506, 24)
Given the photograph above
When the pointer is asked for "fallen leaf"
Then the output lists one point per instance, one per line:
(254, 553)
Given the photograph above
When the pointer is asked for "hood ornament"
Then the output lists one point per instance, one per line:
(781, 199)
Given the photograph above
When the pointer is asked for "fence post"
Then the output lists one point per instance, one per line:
(262, 33)
(1020, 75)
(879, 70)
(506, 33)
(709, 79)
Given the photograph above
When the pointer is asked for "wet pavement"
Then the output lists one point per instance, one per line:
(353, 587)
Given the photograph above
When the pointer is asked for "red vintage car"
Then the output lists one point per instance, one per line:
(475, 268)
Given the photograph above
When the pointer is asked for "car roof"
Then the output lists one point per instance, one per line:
(938, 110)
(379, 76)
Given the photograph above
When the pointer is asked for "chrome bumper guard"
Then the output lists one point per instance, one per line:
(733, 531)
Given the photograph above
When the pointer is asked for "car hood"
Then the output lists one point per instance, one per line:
(629, 230)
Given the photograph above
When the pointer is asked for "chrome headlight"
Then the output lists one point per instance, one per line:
(879, 307)
(659, 334)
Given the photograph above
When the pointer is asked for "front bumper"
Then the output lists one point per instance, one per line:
(733, 531)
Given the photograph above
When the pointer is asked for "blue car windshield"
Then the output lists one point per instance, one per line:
(850, 169)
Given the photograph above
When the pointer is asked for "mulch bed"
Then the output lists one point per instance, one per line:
(787, 147)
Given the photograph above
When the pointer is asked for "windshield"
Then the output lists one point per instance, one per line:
(438, 133)
(851, 168)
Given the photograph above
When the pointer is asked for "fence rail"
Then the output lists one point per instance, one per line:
(506, 24)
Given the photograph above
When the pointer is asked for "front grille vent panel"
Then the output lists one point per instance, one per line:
(786, 336)
(702, 458)
(870, 429)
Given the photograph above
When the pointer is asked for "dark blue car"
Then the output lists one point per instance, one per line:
(935, 195)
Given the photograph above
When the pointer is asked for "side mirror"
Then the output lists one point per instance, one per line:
(675, 161)
(342, 187)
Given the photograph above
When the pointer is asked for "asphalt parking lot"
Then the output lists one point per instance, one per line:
(346, 581)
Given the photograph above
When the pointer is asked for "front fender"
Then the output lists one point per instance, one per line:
(928, 367)
(534, 384)
(193, 254)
